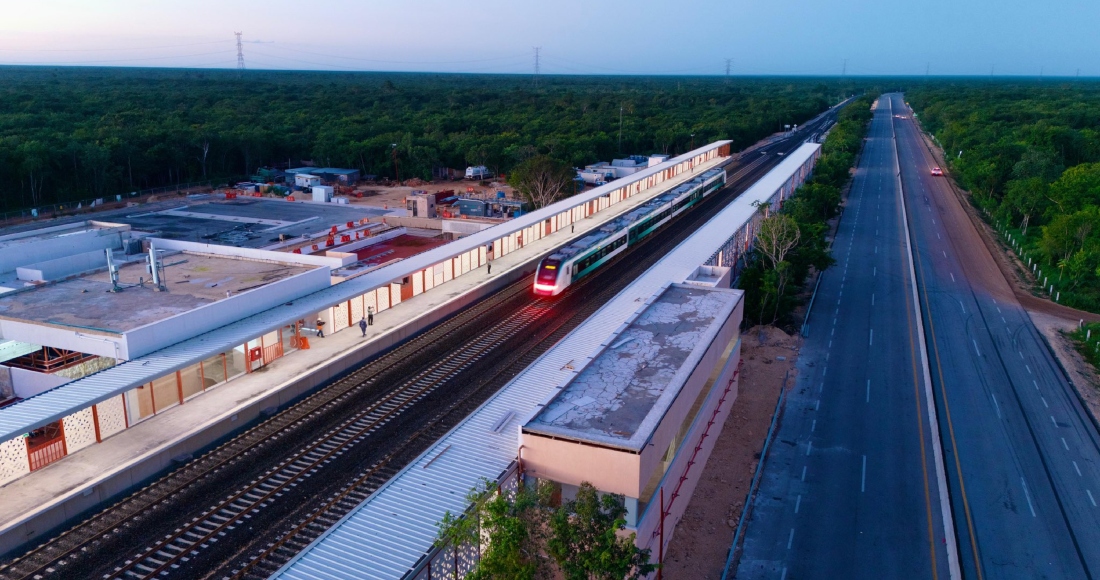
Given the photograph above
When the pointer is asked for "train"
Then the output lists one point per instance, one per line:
(570, 263)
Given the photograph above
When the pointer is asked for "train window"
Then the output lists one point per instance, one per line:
(548, 274)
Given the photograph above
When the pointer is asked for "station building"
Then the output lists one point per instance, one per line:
(239, 291)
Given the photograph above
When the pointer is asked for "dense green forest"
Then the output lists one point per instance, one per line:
(773, 278)
(1029, 153)
(79, 133)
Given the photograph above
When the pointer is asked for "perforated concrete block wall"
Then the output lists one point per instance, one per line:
(79, 430)
(13, 460)
(112, 417)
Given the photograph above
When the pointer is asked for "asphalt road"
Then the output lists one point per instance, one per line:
(850, 486)
(1022, 455)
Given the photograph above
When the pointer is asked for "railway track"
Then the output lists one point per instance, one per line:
(356, 409)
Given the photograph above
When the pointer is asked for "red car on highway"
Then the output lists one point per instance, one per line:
(937, 171)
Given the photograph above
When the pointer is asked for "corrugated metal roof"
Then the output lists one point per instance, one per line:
(385, 536)
(54, 404)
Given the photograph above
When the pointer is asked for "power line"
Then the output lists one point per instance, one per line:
(240, 55)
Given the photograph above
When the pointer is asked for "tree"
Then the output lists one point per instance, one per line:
(1077, 188)
(777, 235)
(542, 179)
(585, 540)
(1026, 198)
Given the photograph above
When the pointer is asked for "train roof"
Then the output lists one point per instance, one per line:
(631, 217)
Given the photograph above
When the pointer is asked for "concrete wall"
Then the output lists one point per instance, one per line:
(63, 267)
(7, 391)
(30, 383)
(465, 227)
(370, 241)
(410, 222)
(157, 335)
(90, 341)
(33, 252)
(253, 254)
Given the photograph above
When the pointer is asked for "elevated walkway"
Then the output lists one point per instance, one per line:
(46, 499)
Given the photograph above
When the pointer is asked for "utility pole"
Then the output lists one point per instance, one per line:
(729, 63)
(620, 127)
(844, 70)
(537, 49)
(927, 67)
(1041, 73)
(1078, 75)
(240, 55)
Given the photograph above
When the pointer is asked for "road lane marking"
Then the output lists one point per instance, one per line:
(1077, 468)
(813, 426)
(952, 276)
(868, 390)
(1021, 353)
(1028, 369)
(830, 344)
(871, 340)
(797, 503)
(1004, 321)
(1064, 444)
(875, 273)
(790, 539)
(963, 306)
(1091, 498)
(803, 473)
(863, 477)
(1044, 399)
(1028, 496)
(944, 253)
(783, 576)
(938, 236)
(872, 299)
(933, 423)
(1033, 381)
(1053, 421)
(976, 346)
(817, 406)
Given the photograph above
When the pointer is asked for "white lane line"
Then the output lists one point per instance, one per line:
(1004, 321)
(961, 305)
(803, 473)
(998, 309)
(834, 321)
(933, 221)
(976, 347)
(872, 299)
(830, 344)
(1028, 496)
(1077, 468)
(1091, 498)
(938, 236)
(875, 273)
(813, 426)
(868, 390)
(826, 357)
(1033, 381)
(783, 576)
(1064, 444)
(876, 249)
(817, 405)
(797, 503)
(944, 253)
(832, 332)
(1021, 353)
(863, 476)
(871, 340)
(809, 446)
(790, 539)
(952, 276)
(1028, 367)
(1053, 421)
(1044, 399)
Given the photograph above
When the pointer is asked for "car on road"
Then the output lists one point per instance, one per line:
(937, 171)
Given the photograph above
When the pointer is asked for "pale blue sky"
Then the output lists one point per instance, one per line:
(1018, 37)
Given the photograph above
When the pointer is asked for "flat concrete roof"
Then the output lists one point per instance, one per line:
(245, 222)
(193, 280)
(619, 398)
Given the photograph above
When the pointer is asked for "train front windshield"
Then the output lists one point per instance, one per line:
(548, 273)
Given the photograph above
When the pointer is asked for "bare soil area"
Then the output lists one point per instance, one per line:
(701, 540)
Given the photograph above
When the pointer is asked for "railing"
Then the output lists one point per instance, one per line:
(46, 453)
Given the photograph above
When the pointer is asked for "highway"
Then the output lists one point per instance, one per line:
(1022, 456)
(855, 484)
(850, 486)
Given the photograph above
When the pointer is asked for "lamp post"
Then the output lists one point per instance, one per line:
(693, 141)
(396, 171)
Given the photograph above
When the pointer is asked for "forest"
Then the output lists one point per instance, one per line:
(1029, 153)
(68, 134)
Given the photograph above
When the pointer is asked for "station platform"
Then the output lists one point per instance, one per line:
(45, 500)
(391, 535)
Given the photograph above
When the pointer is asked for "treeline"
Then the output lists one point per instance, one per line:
(1029, 153)
(78, 133)
(792, 241)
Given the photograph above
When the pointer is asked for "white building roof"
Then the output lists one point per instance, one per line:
(386, 536)
(52, 405)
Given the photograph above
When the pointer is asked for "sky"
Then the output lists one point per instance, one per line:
(782, 37)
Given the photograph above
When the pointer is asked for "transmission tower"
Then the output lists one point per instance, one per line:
(240, 55)
(844, 70)
(537, 49)
(729, 63)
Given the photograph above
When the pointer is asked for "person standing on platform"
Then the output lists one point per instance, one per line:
(370, 316)
(320, 328)
(489, 268)
(363, 325)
